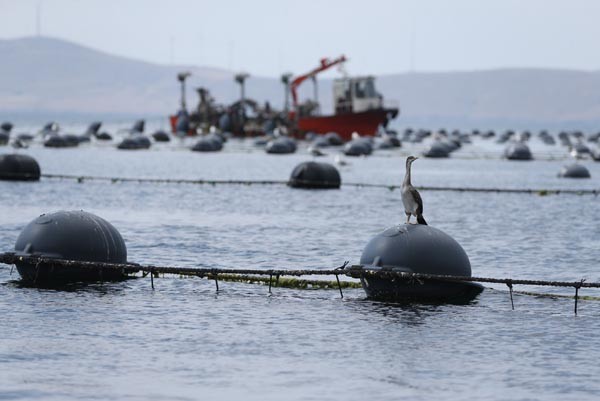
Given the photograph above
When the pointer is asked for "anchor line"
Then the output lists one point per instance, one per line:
(354, 271)
(391, 187)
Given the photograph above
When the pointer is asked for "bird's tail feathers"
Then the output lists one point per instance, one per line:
(421, 220)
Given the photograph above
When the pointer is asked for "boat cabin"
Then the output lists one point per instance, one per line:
(356, 95)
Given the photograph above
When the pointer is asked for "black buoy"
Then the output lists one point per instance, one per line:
(135, 142)
(320, 142)
(281, 146)
(387, 142)
(209, 143)
(103, 136)
(437, 150)
(72, 235)
(6, 127)
(417, 248)
(574, 170)
(314, 175)
(161, 136)
(61, 141)
(25, 137)
(334, 139)
(518, 151)
(393, 140)
(358, 147)
(19, 167)
(73, 140)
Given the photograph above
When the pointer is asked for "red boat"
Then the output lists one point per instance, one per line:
(358, 106)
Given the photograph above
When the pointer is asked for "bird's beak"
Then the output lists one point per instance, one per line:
(416, 158)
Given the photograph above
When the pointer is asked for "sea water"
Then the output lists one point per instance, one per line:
(185, 341)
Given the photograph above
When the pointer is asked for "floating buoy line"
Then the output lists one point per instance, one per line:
(541, 192)
(273, 277)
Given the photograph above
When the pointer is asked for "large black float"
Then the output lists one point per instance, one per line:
(313, 175)
(574, 170)
(161, 136)
(72, 235)
(415, 248)
(135, 142)
(437, 150)
(281, 146)
(209, 143)
(358, 147)
(518, 151)
(19, 167)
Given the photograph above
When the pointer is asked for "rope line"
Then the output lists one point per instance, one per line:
(354, 271)
(538, 191)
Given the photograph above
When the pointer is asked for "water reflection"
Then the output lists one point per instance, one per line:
(100, 288)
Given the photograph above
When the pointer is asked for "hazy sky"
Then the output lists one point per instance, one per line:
(268, 37)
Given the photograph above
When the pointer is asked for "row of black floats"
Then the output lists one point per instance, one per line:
(405, 248)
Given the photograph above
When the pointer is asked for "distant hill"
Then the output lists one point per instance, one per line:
(45, 76)
(502, 98)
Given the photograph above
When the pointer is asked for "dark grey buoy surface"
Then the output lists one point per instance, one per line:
(518, 151)
(321, 142)
(334, 139)
(135, 142)
(416, 248)
(61, 141)
(358, 147)
(6, 127)
(73, 235)
(281, 146)
(574, 170)
(161, 136)
(103, 136)
(314, 175)
(210, 143)
(437, 150)
(19, 167)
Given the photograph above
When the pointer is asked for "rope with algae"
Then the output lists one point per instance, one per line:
(253, 275)
(536, 191)
(354, 271)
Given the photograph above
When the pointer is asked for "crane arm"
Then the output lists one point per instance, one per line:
(325, 64)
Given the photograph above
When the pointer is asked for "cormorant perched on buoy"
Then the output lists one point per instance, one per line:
(413, 204)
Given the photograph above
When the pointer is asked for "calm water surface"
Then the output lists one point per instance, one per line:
(184, 341)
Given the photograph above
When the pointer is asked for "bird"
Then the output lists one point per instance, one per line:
(340, 160)
(413, 204)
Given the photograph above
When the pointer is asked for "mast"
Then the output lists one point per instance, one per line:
(181, 77)
(325, 64)
(285, 80)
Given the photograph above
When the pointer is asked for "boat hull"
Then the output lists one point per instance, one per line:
(365, 123)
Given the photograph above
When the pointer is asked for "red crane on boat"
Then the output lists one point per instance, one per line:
(358, 106)
(325, 64)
